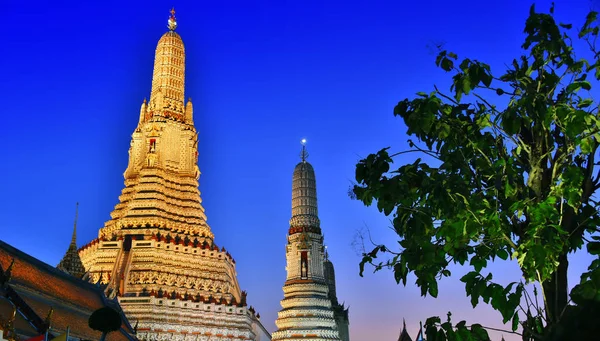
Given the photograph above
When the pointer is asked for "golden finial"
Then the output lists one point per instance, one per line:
(172, 22)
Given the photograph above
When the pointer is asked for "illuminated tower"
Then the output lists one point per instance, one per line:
(307, 313)
(157, 254)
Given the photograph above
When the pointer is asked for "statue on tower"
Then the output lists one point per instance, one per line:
(304, 271)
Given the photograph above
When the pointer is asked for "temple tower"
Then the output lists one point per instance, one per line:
(157, 253)
(71, 263)
(307, 313)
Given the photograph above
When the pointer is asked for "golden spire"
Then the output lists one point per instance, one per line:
(172, 22)
(168, 79)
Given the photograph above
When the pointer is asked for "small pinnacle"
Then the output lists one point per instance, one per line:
(304, 153)
(74, 238)
(172, 22)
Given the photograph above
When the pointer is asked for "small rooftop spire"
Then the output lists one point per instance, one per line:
(172, 22)
(71, 263)
(404, 334)
(304, 153)
(74, 237)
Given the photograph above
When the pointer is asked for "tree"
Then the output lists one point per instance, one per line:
(518, 181)
(105, 320)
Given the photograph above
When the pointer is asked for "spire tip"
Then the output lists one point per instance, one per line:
(172, 22)
(304, 153)
(74, 237)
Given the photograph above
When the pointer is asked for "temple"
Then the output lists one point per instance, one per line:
(307, 311)
(157, 254)
(71, 262)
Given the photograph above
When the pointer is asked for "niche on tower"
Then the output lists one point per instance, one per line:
(304, 264)
(152, 147)
(151, 156)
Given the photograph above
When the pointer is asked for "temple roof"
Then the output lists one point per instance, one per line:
(42, 287)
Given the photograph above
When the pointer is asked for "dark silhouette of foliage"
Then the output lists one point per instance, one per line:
(105, 320)
(518, 181)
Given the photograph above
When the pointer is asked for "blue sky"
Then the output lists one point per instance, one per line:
(262, 75)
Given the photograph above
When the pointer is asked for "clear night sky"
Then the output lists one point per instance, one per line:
(262, 75)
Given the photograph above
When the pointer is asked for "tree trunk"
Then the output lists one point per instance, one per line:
(556, 291)
(103, 337)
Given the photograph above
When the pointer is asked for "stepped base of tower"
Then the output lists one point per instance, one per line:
(306, 313)
(185, 320)
(174, 288)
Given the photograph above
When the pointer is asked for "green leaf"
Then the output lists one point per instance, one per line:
(593, 248)
(466, 85)
(479, 333)
(584, 103)
(502, 254)
(515, 322)
(575, 86)
(587, 145)
(433, 289)
(447, 64)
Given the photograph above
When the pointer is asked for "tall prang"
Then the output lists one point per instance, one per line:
(157, 253)
(306, 312)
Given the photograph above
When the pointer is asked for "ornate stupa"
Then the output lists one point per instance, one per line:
(306, 312)
(71, 263)
(157, 255)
